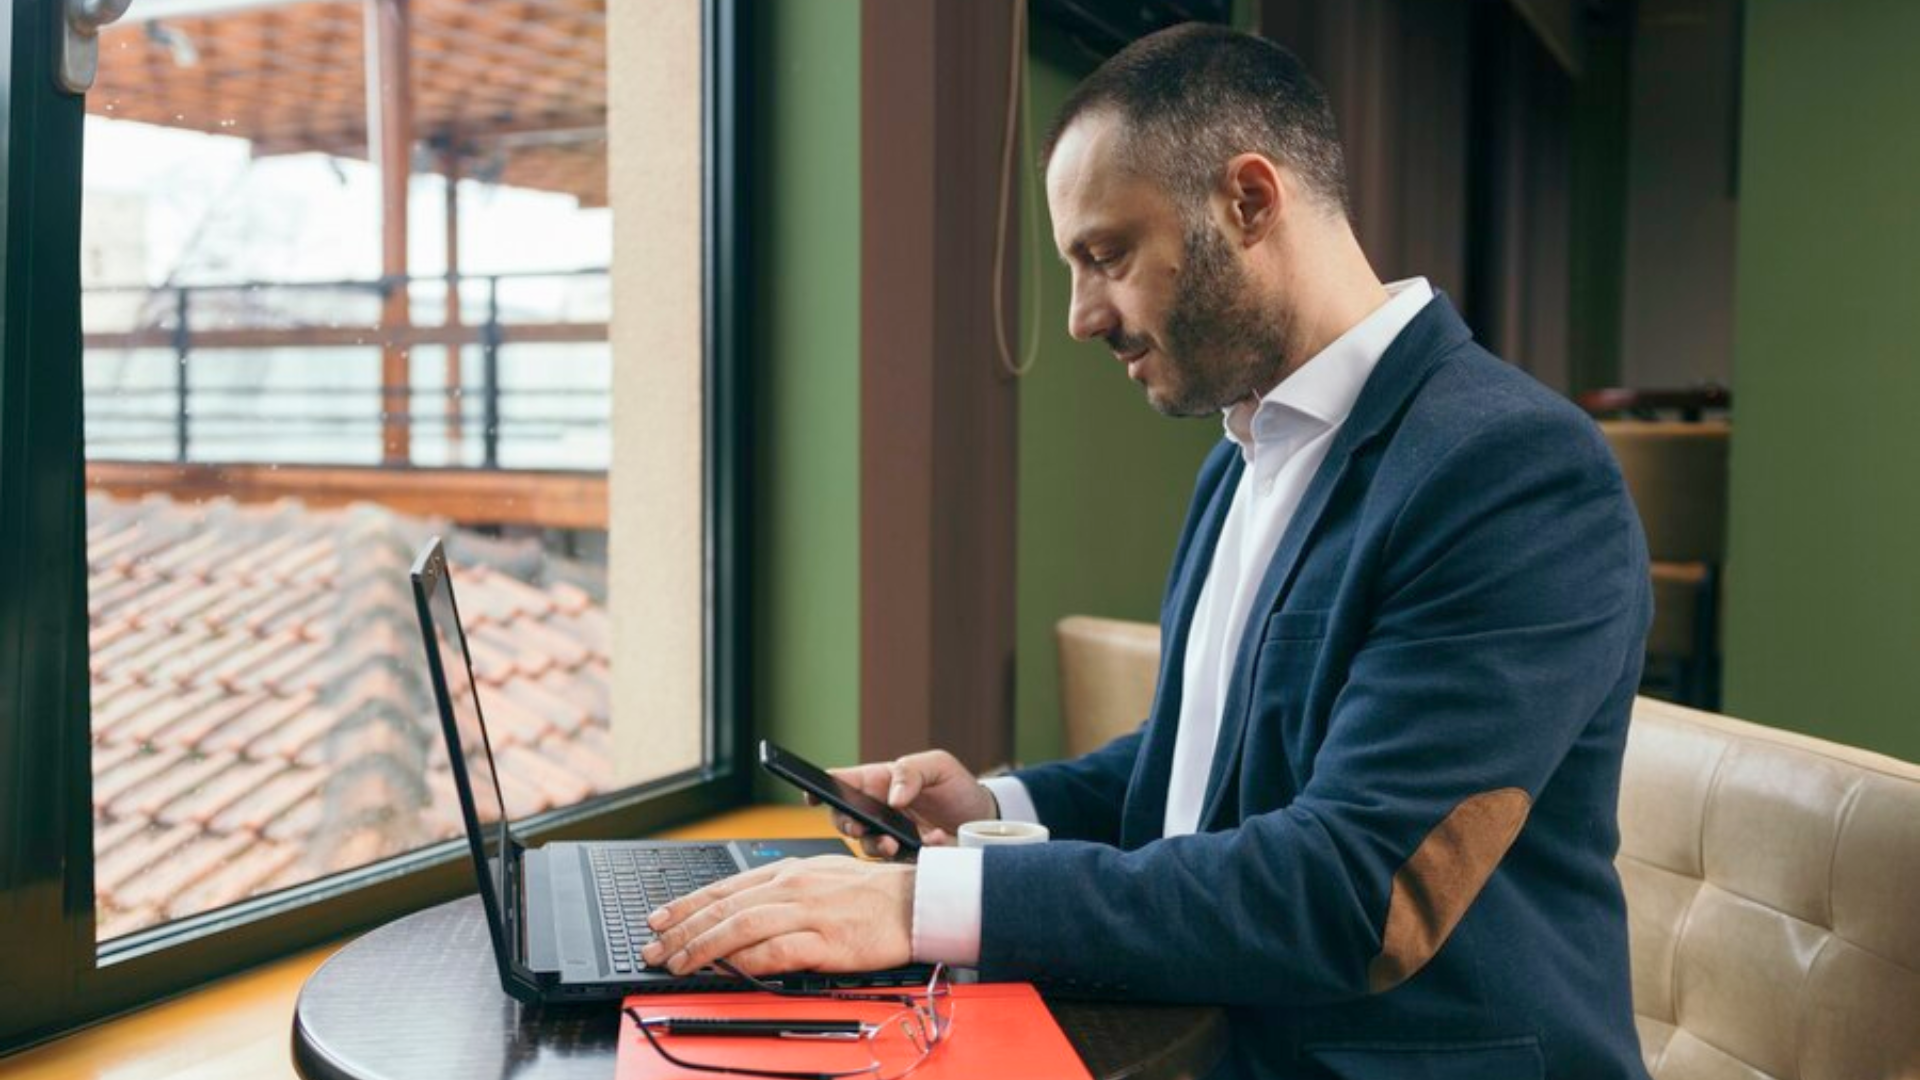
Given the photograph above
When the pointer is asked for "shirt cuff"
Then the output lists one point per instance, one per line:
(946, 906)
(1015, 803)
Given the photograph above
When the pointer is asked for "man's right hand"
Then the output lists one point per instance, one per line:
(932, 787)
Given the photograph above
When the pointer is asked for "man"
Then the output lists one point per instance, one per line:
(1373, 810)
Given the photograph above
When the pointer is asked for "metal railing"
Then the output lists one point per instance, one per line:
(260, 316)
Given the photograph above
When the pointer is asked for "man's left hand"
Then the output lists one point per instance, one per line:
(831, 913)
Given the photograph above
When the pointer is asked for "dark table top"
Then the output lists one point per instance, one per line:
(420, 999)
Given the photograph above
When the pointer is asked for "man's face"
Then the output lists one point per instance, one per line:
(1170, 296)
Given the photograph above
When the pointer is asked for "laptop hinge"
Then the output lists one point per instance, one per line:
(517, 905)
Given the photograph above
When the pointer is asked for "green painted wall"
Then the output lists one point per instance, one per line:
(805, 193)
(1104, 480)
(1823, 620)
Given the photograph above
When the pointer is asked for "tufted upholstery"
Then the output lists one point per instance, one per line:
(1772, 881)
(1773, 892)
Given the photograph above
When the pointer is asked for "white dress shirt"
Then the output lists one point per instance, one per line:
(1283, 439)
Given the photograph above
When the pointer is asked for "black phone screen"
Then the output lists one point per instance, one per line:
(856, 804)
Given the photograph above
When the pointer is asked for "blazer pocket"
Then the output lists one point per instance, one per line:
(1283, 668)
(1517, 1058)
(1295, 626)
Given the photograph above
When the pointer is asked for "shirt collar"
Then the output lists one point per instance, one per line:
(1321, 392)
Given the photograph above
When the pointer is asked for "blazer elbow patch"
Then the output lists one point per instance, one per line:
(1436, 885)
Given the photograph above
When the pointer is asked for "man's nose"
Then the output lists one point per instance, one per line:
(1089, 315)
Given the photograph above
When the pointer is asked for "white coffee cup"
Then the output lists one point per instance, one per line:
(979, 834)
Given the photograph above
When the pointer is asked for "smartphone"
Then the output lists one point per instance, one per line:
(858, 805)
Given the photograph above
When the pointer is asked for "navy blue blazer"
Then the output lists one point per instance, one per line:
(1405, 859)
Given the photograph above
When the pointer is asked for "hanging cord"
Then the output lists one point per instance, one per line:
(1017, 111)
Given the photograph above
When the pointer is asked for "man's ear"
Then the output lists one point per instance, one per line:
(1255, 194)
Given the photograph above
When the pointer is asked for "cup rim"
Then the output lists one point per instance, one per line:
(1004, 829)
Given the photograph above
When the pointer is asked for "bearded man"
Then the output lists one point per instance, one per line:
(1372, 811)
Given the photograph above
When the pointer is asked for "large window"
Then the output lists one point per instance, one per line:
(332, 277)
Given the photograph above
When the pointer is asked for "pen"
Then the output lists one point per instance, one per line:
(768, 1029)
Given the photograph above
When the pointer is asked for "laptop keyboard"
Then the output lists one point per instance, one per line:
(634, 881)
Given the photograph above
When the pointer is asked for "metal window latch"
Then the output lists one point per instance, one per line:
(80, 26)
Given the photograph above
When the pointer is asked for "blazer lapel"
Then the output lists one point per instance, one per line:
(1146, 803)
(1409, 360)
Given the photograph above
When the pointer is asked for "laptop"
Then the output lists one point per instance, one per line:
(568, 920)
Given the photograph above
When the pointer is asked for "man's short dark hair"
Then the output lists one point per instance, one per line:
(1191, 97)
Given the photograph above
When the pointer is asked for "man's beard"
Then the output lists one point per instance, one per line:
(1221, 344)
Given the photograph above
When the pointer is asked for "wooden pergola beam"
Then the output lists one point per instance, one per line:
(556, 500)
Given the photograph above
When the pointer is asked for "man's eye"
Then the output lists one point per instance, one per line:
(1102, 262)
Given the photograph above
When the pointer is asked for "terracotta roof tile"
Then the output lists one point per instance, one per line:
(523, 797)
(589, 694)
(115, 922)
(237, 880)
(193, 862)
(177, 704)
(595, 740)
(292, 673)
(301, 868)
(150, 607)
(242, 666)
(564, 784)
(247, 568)
(299, 823)
(517, 598)
(556, 710)
(150, 665)
(261, 713)
(276, 604)
(234, 722)
(238, 599)
(298, 738)
(569, 598)
(116, 867)
(109, 756)
(509, 723)
(115, 657)
(147, 798)
(131, 773)
(358, 847)
(589, 627)
(490, 665)
(568, 652)
(110, 833)
(442, 813)
(105, 634)
(307, 566)
(189, 558)
(126, 700)
(219, 791)
(263, 805)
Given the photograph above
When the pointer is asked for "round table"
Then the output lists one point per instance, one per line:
(420, 999)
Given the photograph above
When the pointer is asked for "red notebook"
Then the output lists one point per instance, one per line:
(999, 1030)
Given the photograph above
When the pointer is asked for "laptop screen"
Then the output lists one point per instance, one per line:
(476, 758)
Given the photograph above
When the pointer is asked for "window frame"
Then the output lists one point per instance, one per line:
(56, 977)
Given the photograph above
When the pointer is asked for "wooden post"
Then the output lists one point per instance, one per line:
(450, 168)
(938, 423)
(390, 147)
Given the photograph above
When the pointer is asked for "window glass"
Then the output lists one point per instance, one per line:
(304, 356)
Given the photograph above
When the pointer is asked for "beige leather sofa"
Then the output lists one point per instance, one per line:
(1772, 880)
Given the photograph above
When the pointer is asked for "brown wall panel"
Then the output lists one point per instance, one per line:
(937, 411)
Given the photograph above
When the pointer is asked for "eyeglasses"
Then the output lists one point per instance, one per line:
(893, 1047)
